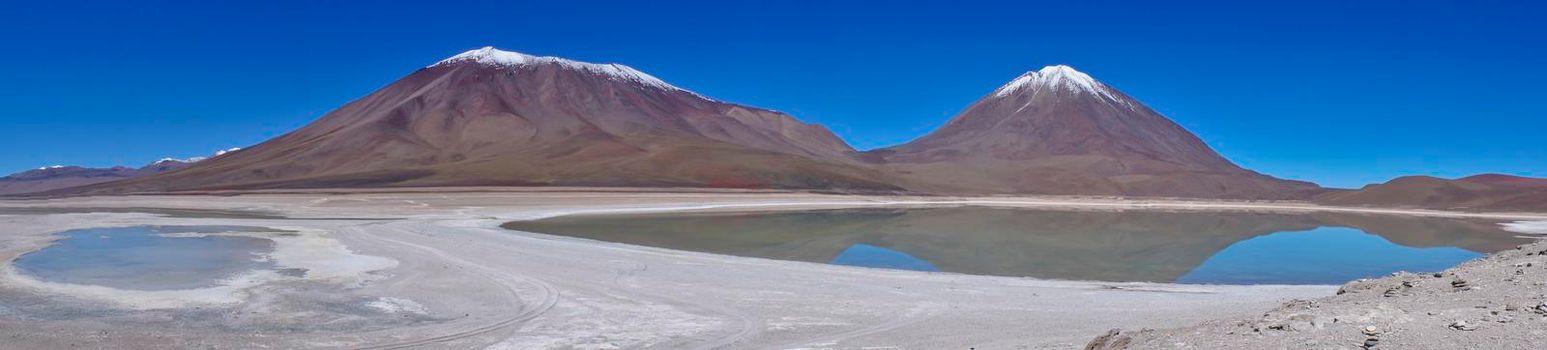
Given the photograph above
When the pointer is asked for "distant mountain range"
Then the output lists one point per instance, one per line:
(1485, 192)
(488, 117)
(69, 176)
(59, 176)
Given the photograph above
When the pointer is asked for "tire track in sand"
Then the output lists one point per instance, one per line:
(917, 314)
(746, 326)
(529, 311)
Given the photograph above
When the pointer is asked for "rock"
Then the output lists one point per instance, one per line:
(1371, 342)
(1113, 340)
(1299, 322)
(1357, 286)
(1320, 322)
(1464, 326)
(1540, 308)
(1459, 284)
(1371, 331)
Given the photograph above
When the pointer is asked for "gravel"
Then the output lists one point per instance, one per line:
(1495, 302)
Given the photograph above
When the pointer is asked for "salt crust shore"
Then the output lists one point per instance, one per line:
(1533, 227)
(484, 287)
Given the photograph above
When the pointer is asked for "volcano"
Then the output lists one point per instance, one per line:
(489, 117)
(1059, 131)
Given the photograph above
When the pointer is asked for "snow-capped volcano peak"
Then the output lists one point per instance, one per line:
(176, 160)
(191, 160)
(1058, 77)
(489, 55)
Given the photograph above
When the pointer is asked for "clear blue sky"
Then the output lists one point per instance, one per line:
(1342, 93)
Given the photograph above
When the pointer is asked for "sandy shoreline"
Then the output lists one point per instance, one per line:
(484, 287)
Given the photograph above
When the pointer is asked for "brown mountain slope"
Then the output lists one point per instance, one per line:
(491, 117)
(1482, 192)
(1058, 131)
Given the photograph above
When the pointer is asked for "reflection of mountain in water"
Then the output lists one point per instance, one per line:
(1087, 245)
(866, 255)
(1328, 255)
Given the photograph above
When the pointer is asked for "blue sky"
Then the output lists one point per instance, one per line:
(1342, 93)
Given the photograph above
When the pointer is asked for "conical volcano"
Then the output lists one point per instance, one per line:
(1059, 131)
(493, 117)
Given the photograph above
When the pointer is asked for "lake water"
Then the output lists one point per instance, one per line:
(144, 258)
(1149, 246)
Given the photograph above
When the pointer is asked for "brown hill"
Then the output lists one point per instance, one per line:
(491, 117)
(1481, 192)
(1506, 180)
(1058, 131)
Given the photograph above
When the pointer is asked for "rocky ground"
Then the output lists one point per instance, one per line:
(1497, 302)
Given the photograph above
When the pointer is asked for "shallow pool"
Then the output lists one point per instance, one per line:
(148, 257)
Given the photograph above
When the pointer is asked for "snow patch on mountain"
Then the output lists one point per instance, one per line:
(188, 160)
(492, 56)
(177, 160)
(1060, 77)
(195, 159)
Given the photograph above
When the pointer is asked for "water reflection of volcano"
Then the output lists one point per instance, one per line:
(1327, 255)
(872, 256)
(1087, 245)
